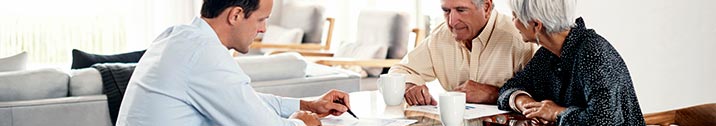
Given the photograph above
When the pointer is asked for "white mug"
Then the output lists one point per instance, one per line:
(452, 108)
(392, 86)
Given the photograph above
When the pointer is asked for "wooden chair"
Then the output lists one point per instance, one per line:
(385, 63)
(305, 16)
(303, 46)
(700, 115)
(390, 23)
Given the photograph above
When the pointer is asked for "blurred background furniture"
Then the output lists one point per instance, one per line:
(382, 41)
(699, 115)
(289, 75)
(295, 25)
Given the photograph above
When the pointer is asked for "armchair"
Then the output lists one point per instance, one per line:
(289, 16)
(382, 34)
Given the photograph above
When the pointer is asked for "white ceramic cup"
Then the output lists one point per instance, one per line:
(392, 86)
(452, 108)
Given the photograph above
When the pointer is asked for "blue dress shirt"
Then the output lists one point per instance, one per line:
(188, 78)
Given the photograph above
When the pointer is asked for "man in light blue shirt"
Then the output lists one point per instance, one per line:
(188, 78)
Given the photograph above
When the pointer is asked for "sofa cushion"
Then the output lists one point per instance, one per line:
(13, 63)
(280, 35)
(385, 27)
(319, 79)
(273, 67)
(66, 111)
(359, 50)
(86, 81)
(33, 84)
(82, 59)
(307, 16)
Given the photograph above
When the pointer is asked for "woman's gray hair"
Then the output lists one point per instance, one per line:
(556, 15)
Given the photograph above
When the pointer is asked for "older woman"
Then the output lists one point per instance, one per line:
(575, 78)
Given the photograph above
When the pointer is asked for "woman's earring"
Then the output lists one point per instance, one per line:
(537, 39)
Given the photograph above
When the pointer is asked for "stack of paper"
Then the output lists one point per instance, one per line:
(339, 121)
(472, 111)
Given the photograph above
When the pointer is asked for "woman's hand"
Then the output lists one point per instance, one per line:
(546, 110)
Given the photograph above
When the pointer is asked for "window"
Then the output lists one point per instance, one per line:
(49, 29)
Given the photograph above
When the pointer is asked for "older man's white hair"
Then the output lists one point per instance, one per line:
(478, 4)
(556, 15)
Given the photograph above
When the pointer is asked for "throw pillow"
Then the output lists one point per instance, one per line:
(14, 63)
(82, 59)
(359, 50)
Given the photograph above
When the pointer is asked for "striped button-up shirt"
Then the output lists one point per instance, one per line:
(497, 53)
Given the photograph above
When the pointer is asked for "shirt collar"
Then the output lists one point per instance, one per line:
(203, 26)
(574, 37)
(206, 30)
(486, 33)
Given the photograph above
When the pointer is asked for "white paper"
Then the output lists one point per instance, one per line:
(472, 111)
(341, 121)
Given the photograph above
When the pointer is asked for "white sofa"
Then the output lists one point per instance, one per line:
(53, 97)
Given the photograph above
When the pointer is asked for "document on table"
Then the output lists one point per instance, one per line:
(472, 111)
(340, 121)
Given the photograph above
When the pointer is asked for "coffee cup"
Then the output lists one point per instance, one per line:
(452, 108)
(392, 87)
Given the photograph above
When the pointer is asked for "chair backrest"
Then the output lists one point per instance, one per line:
(389, 28)
(308, 17)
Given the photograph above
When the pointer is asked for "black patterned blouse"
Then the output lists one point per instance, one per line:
(590, 79)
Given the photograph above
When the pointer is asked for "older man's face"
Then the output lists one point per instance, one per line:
(465, 20)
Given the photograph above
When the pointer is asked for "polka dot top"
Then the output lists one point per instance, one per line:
(590, 79)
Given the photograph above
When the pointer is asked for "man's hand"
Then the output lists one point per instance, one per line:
(309, 118)
(478, 92)
(547, 110)
(325, 106)
(418, 95)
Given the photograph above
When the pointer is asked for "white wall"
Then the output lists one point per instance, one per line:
(668, 46)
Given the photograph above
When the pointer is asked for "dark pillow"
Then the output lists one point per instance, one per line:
(83, 60)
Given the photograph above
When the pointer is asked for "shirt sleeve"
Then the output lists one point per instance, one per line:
(284, 106)
(417, 65)
(220, 91)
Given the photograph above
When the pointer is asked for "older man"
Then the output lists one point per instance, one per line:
(187, 78)
(475, 52)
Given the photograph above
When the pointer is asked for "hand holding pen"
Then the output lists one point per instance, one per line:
(334, 102)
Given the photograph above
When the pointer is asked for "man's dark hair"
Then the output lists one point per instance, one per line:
(213, 8)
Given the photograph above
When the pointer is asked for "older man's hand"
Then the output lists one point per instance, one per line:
(418, 95)
(478, 92)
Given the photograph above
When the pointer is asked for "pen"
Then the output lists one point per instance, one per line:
(340, 101)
